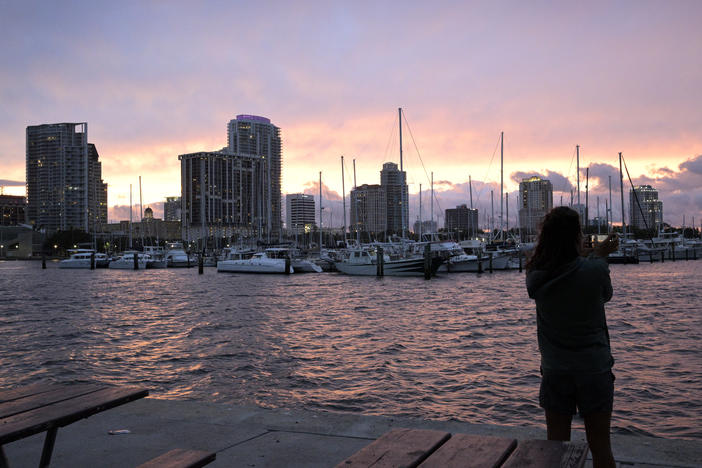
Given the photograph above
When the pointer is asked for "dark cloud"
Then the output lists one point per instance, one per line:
(693, 165)
(560, 183)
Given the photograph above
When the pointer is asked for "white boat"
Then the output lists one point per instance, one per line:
(176, 257)
(362, 262)
(245, 261)
(158, 256)
(126, 261)
(299, 264)
(81, 258)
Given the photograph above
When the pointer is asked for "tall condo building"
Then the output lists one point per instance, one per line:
(65, 189)
(300, 211)
(650, 213)
(535, 200)
(394, 182)
(462, 219)
(256, 136)
(172, 209)
(368, 210)
(222, 195)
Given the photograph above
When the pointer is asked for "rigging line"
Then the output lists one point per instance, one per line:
(480, 192)
(636, 197)
(390, 139)
(569, 168)
(420, 158)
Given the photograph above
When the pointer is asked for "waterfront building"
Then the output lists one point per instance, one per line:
(171, 209)
(394, 182)
(650, 213)
(368, 210)
(65, 189)
(12, 210)
(461, 219)
(300, 213)
(255, 136)
(535, 200)
(223, 195)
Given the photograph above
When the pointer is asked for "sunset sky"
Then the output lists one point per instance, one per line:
(158, 79)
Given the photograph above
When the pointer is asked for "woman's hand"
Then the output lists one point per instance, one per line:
(607, 246)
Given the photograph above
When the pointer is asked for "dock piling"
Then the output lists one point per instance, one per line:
(427, 262)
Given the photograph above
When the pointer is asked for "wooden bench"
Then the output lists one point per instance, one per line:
(438, 449)
(180, 458)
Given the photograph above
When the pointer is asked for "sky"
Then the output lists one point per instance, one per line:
(156, 79)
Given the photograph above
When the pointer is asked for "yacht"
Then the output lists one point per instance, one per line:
(363, 262)
(176, 257)
(158, 256)
(246, 261)
(81, 258)
(126, 261)
(299, 264)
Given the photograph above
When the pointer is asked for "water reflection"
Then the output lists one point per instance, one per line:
(461, 347)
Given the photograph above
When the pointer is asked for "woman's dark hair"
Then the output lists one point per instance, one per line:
(560, 240)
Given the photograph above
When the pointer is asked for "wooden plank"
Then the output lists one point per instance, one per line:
(65, 412)
(471, 451)
(548, 453)
(24, 391)
(398, 448)
(56, 394)
(180, 458)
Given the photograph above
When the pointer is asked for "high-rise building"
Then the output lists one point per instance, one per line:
(462, 219)
(300, 213)
(650, 213)
(64, 178)
(256, 136)
(12, 210)
(368, 210)
(171, 209)
(394, 182)
(223, 195)
(535, 200)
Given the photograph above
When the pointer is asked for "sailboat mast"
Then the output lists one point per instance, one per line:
(355, 206)
(399, 118)
(502, 154)
(130, 216)
(609, 213)
(621, 192)
(470, 191)
(343, 195)
(141, 217)
(432, 201)
(492, 213)
(404, 182)
(577, 170)
(587, 204)
(320, 211)
(420, 212)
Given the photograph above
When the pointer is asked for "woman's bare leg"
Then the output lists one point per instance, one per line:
(597, 430)
(558, 425)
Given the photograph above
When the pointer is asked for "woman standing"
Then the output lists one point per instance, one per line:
(570, 291)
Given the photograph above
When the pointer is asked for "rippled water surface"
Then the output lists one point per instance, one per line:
(458, 347)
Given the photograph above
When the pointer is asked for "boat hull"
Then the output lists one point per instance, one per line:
(246, 266)
(408, 267)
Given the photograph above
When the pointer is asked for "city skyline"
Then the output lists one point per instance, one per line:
(608, 77)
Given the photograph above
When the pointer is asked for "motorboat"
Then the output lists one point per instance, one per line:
(176, 257)
(364, 262)
(158, 256)
(246, 261)
(299, 263)
(82, 258)
(126, 261)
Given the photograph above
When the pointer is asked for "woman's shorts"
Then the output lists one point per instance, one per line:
(591, 393)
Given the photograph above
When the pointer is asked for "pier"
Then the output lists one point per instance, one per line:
(246, 436)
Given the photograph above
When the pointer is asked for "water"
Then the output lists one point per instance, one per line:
(459, 347)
